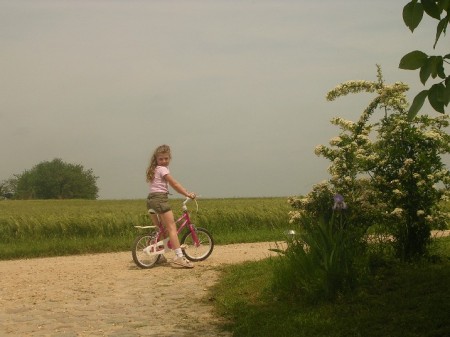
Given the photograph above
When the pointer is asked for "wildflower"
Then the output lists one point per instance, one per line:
(339, 203)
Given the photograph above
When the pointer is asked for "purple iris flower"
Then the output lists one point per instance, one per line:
(339, 202)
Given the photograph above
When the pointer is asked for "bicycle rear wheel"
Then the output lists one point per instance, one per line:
(142, 259)
(200, 252)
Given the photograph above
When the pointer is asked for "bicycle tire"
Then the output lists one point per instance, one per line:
(203, 251)
(142, 259)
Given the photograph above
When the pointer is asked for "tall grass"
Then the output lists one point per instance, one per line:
(319, 263)
(59, 227)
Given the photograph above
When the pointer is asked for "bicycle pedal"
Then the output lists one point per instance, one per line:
(184, 246)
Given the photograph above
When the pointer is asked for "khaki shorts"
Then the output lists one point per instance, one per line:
(159, 202)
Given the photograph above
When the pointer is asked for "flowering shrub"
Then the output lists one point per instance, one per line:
(407, 175)
(388, 171)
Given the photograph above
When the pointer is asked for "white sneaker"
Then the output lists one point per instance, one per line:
(182, 261)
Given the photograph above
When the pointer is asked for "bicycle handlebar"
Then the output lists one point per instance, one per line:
(188, 199)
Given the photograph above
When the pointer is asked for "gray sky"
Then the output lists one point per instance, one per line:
(237, 88)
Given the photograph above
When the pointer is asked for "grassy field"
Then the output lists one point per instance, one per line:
(31, 228)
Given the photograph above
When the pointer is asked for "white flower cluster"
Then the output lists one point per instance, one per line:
(408, 162)
(398, 212)
(351, 87)
(433, 135)
(295, 216)
(397, 192)
(319, 150)
(393, 96)
(343, 123)
(335, 141)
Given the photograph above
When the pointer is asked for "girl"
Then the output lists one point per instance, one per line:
(158, 177)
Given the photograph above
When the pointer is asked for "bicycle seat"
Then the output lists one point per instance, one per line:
(151, 211)
(145, 227)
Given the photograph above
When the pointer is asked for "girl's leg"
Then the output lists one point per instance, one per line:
(169, 221)
(154, 219)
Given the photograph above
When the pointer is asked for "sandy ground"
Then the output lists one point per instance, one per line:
(107, 295)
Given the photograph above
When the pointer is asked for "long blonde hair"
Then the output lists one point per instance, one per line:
(153, 163)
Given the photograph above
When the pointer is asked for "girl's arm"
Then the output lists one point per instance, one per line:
(178, 187)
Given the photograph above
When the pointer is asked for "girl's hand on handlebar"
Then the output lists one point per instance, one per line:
(191, 195)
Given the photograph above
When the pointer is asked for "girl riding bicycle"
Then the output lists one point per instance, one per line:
(159, 179)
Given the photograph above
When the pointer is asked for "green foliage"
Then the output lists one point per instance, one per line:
(439, 93)
(56, 180)
(320, 263)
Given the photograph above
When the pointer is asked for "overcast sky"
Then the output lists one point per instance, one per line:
(236, 88)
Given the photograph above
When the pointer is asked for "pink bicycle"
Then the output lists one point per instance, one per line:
(197, 243)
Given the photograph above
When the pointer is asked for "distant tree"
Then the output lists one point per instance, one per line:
(8, 188)
(56, 180)
(430, 66)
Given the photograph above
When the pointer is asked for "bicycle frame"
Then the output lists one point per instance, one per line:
(163, 241)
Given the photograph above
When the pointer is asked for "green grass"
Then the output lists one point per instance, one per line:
(400, 300)
(31, 228)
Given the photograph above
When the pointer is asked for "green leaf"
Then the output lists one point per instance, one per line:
(443, 4)
(440, 69)
(447, 95)
(447, 81)
(436, 65)
(431, 9)
(425, 72)
(412, 15)
(441, 27)
(413, 60)
(436, 97)
(417, 104)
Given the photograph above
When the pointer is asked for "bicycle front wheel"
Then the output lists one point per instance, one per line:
(142, 259)
(198, 251)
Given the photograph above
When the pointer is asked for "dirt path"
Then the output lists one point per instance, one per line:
(107, 295)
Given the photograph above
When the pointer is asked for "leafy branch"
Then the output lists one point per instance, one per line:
(430, 66)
